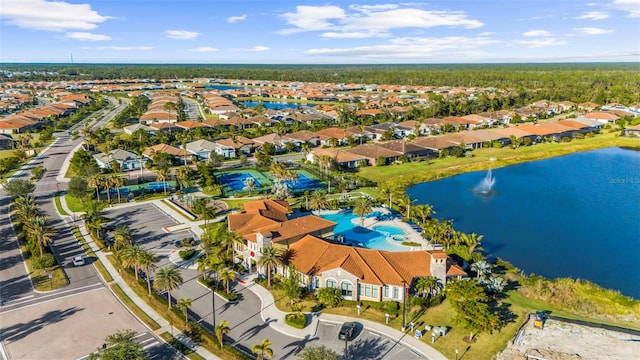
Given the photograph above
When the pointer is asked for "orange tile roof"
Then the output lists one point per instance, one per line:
(313, 256)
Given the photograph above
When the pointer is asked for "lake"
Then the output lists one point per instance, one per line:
(574, 216)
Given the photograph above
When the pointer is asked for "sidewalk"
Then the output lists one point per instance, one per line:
(117, 279)
(275, 318)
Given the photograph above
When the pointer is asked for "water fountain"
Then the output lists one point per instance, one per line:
(485, 187)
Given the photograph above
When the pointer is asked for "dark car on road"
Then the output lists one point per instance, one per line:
(346, 331)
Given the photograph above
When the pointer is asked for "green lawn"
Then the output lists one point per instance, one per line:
(74, 204)
(415, 172)
(59, 205)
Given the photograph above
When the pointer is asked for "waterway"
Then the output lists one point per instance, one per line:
(576, 215)
(275, 105)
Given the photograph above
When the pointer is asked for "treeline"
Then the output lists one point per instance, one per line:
(578, 82)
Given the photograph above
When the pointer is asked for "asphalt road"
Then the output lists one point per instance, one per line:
(17, 296)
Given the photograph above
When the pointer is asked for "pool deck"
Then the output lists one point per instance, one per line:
(410, 233)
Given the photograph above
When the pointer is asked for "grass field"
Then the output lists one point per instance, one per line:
(481, 159)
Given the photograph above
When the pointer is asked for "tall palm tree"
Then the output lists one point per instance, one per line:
(130, 257)
(227, 275)
(123, 237)
(184, 174)
(25, 208)
(167, 279)
(361, 207)
(117, 182)
(318, 200)
(40, 232)
(228, 241)
(270, 258)
(184, 304)
(263, 350)
(472, 241)
(423, 211)
(220, 330)
(147, 263)
(93, 217)
(96, 182)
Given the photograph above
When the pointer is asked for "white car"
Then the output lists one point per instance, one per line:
(78, 261)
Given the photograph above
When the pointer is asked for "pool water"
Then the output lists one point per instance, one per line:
(235, 180)
(371, 239)
(303, 183)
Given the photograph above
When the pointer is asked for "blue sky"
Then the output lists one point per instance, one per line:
(317, 32)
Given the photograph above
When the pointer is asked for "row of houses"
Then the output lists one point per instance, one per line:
(359, 273)
(432, 146)
(35, 118)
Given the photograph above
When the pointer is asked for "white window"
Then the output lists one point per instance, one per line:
(386, 291)
(331, 283)
(396, 292)
(346, 288)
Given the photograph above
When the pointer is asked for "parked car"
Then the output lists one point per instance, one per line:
(347, 331)
(78, 261)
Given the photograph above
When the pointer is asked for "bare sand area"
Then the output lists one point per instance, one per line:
(565, 341)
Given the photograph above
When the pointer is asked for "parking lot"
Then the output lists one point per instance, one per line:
(146, 222)
(366, 343)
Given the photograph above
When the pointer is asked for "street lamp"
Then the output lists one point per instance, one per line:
(213, 300)
(404, 304)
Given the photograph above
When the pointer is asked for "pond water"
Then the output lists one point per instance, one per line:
(571, 216)
(276, 105)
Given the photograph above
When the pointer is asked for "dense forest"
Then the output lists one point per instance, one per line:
(598, 82)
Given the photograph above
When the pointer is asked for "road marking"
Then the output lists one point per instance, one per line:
(3, 351)
(16, 299)
(50, 300)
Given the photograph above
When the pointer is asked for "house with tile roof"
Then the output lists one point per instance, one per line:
(266, 222)
(367, 274)
(204, 148)
(126, 160)
(175, 154)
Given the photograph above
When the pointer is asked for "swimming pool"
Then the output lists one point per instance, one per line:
(371, 239)
(235, 180)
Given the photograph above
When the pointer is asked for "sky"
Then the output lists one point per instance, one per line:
(319, 32)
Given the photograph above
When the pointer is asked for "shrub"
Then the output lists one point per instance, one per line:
(410, 243)
(232, 296)
(188, 241)
(186, 254)
(390, 307)
(45, 261)
(298, 320)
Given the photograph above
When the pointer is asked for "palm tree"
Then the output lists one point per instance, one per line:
(184, 174)
(117, 182)
(167, 279)
(226, 276)
(220, 330)
(147, 263)
(93, 217)
(263, 350)
(39, 231)
(130, 257)
(228, 241)
(184, 304)
(318, 200)
(472, 241)
(427, 285)
(361, 207)
(95, 181)
(270, 258)
(423, 211)
(481, 268)
(25, 208)
(123, 237)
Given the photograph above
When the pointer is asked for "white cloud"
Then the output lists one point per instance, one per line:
(310, 18)
(370, 21)
(181, 34)
(592, 31)
(50, 15)
(593, 15)
(536, 43)
(235, 19)
(120, 48)
(413, 48)
(487, 33)
(86, 36)
(630, 6)
(535, 33)
(203, 49)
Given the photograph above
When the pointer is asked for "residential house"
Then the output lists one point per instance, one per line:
(436, 144)
(203, 149)
(191, 124)
(367, 274)
(6, 141)
(135, 127)
(170, 128)
(633, 131)
(406, 148)
(266, 222)
(126, 160)
(371, 152)
(304, 136)
(240, 144)
(158, 116)
(175, 154)
(342, 158)
(602, 116)
(340, 136)
(540, 132)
